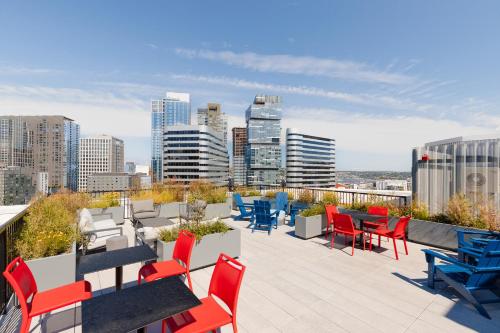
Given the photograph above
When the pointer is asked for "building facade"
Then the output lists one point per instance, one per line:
(195, 152)
(130, 167)
(213, 116)
(173, 109)
(108, 182)
(99, 154)
(42, 144)
(16, 187)
(310, 160)
(263, 151)
(239, 147)
(467, 165)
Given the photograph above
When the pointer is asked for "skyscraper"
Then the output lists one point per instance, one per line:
(467, 165)
(310, 160)
(99, 154)
(213, 117)
(263, 152)
(239, 146)
(15, 186)
(195, 152)
(41, 144)
(173, 109)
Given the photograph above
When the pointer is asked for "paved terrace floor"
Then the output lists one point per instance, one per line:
(294, 285)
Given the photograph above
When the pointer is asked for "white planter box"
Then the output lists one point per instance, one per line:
(114, 213)
(55, 271)
(218, 210)
(311, 226)
(170, 210)
(207, 250)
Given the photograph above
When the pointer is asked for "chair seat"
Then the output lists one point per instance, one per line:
(205, 317)
(162, 269)
(56, 298)
(355, 232)
(383, 232)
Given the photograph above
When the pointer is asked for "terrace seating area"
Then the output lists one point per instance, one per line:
(296, 285)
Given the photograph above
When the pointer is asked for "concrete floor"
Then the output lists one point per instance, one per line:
(294, 285)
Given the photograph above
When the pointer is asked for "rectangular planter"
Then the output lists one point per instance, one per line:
(217, 210)
(55, 271)
(169, 210)
(249, 200)
(309, 227)
(207, 250)
(433, 234)
(114, 213)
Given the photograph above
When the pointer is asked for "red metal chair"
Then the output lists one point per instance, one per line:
(380, 223)
(344, 225)
(179, 265)
(225, 285)
(330, 211)
(22, 281)
(399, 232)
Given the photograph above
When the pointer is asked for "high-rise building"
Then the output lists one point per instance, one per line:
(42, 185)
(99, 154)
(130, 167)
(213, 116)
(195, 152)
(310, 160)
(263, 151)
(467, 165)
(109, 182)
(173, 109)
(42, 144)
(15, 186)
(239, 146)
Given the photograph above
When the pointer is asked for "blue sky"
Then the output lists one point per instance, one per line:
(378, 76)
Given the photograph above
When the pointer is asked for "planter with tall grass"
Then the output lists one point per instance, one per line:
(107, 207)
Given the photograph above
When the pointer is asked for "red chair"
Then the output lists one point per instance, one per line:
(330, 211)
(397, 233)
(22, 281)
(182, 254)
(344, 225)
(380, 223)
(225, 285)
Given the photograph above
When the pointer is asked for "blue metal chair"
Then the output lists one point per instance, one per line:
(246, 210)
(295, 209)
(471, 243)
(465, 278)
(282, 202)
(264, 219)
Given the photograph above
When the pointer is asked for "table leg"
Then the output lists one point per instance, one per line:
(361, 236)
(141, 330)
(119, 277)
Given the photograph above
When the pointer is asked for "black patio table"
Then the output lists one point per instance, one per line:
(113, 259)
(136, 307)
(361, 217)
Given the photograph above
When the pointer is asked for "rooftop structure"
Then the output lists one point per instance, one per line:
(213, 116)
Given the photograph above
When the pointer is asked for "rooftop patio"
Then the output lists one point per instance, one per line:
(302, 285)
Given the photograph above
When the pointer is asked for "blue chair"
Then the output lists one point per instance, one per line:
(295, 209)
(471, 243)
(282, 202)
(465, 278)
(264, 219)
(246, 210)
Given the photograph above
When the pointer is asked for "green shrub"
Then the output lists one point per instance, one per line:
(459, 210)
(316, 209)
(170, 191)
(50, 225)
(106, 200)
(271, 194)
(306, 197)
(199, 230)
(330, 198)
(206, 191)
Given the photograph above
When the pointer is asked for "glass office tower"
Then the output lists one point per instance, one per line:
(263, 157)
(459, 165)
(173, 109)
(71, 146)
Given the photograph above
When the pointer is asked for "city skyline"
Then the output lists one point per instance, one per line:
(403, 73)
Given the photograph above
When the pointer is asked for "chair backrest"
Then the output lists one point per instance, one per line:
(401, 225)
(490, 258)
(19, 276)
(378, 210)
(262, 212)
(226, 281)
(184, 247)
(237, 199)
(282, 201)
(330, 211)
(343, 223)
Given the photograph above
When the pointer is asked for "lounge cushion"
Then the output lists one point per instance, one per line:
(85, 219)
(140, 206)
(145, 215)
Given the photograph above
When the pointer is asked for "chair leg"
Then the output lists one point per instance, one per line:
(326, 232)
(353, 240)
(406, 247)
(189, 281)
(364, 244)
(395, 248)
(333, 240)
(370, 241)
(25, 325)
(379, 241)
(163, 326)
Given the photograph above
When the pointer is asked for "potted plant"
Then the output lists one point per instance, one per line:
(311, 222)
(107, 206)
(212, 238)
(167, 197)
(215, 197)
(47, 240)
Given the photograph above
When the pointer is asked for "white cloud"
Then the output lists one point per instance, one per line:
(19, 70)
(305, 65)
